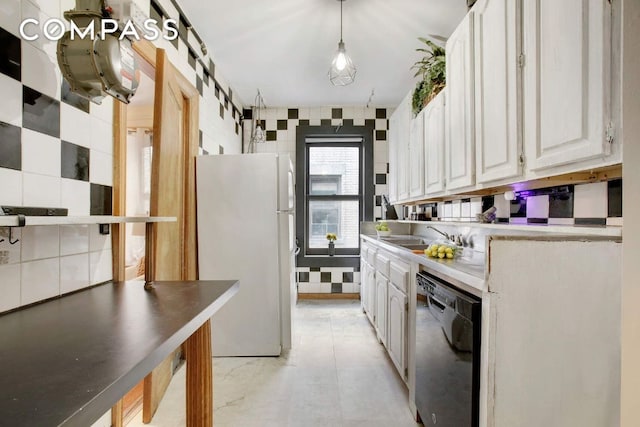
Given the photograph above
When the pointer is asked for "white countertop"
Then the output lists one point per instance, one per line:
(581, 230)
(465, 272)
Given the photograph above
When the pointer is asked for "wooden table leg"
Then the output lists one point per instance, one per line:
(199, 377)
(116, 414)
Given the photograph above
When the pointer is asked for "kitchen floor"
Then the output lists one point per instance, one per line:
(337, 374)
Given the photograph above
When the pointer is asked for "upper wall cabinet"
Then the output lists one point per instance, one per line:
(399, 136)
(416, 157)
(393, 159)
(434, 145)
(566, 80)
(497, 79)
(460, 131)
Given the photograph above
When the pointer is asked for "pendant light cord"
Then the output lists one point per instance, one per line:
(341, 1)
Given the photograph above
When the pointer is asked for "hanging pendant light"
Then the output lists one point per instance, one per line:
(342, 71)
(258, 135)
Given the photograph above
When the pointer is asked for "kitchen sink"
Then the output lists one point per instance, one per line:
(402, 241)
(418, 246)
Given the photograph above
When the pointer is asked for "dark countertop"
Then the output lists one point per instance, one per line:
(69, 360)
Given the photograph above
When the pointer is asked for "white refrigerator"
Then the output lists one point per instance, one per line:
(245, 206)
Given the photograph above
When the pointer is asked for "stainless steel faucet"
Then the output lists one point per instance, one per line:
(447, 236)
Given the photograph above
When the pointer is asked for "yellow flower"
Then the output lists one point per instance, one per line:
(331, 237)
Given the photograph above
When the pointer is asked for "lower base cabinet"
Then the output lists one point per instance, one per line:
(383, 291)
(381, 308)
(396, 338)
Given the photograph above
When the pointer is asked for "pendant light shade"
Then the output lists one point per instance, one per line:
(342, 71)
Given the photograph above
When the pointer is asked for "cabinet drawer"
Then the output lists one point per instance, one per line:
(382, 263)
(399, 275)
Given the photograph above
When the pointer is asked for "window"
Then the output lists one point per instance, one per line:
(334, 191)
(333, 194)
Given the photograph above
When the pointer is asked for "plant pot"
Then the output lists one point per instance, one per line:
(384, 233)
(332, 248)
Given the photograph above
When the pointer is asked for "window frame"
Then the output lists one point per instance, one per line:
(367, 189)
(334, 197)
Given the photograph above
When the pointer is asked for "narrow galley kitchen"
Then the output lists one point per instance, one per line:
(336, 374)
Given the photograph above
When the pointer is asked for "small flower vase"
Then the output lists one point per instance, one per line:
(332, 248)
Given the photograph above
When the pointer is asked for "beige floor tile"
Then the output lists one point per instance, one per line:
(336, 375)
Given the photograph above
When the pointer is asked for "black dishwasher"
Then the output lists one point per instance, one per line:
(447, 354)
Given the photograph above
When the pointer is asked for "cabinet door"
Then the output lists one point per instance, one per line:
(401, 167)
(393, 159)
(399, 124)
(416, 157)
(397, 340)
(566, 80)
(460, 146)
(434, 145)
(381, 308)
(497, 101)
(371, 294)
(363, 283)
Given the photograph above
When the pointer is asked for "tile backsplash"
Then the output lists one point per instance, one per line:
(597, 203)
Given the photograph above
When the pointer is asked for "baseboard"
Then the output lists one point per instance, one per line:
(328, 296)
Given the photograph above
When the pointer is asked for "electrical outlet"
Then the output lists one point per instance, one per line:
(10, 253)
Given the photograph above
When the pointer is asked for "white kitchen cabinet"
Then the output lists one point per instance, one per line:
(566, 81)
(371, 294)
(397, 333)
(496, 46)
(416, 157)
(392, 181)
(382, 285)
(434, 137)
(460, 130)
(399, 134)
(363, 280)
(547, 362)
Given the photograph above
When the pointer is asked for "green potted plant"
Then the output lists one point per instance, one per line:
(432, 68)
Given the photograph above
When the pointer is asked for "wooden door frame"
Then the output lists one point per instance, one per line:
(190, 95)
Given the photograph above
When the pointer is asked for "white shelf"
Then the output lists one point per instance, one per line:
(12, 220)
(606, 231)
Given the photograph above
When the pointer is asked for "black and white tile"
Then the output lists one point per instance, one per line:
(280, 125)
(594, 204)
(328, 280)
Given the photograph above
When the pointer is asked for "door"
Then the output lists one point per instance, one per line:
(175, 147)
(460, 141)
(381, 308)
(566, 80)
(396, 341)
(416, 157)
(434, 145)
(497, 81)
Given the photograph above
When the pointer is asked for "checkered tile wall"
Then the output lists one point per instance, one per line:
(594, 204)
(280, 125)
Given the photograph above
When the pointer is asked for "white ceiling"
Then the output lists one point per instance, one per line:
(284, 47)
